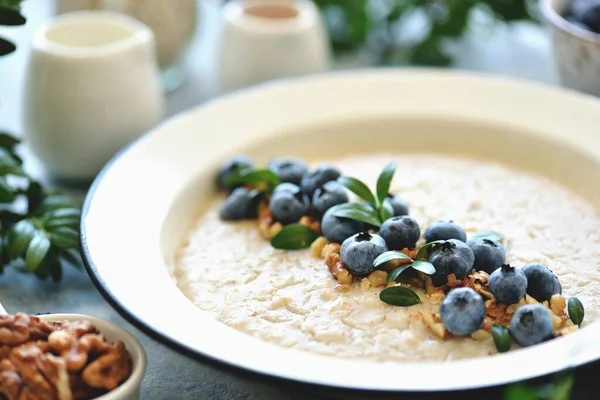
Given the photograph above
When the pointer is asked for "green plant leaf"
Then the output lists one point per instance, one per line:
(65, 237)
(389, 256)
(6, 47)
(386, 211)
(502, 338)
(8, 141)
(393, 275)
(72, 257)
(294, 237)
(35, 195)
(399, 296)
(357, 212)
(359, 188)
(7, 193)
(425, 247)
(249, 176)
(18, 238)
(424, 266)
(54, 202)
(384, 181)
(65, 217)
(576, 310)
(486, 234)
(11, 17)
(36, 251)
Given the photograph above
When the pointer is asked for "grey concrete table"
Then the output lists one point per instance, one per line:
(521, 51)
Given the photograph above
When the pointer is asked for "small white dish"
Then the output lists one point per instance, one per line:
(261, 40)
(133, 237)
(130, 389)
(576, 50)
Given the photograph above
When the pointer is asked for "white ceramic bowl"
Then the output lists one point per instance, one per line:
(140, 207)
(130, 389)
(576, 50)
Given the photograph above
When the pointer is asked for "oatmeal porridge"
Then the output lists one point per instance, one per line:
(289, 298)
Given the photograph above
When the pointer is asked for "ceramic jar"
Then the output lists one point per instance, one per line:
(92, 85)
(260, 40)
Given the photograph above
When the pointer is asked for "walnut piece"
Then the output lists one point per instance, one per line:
(110, 370)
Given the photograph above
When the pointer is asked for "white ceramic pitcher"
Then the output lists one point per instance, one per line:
(92, 85)
(262, 40)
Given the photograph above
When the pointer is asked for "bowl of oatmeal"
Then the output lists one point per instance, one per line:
(315, 229)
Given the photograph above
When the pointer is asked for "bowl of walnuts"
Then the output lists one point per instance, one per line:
(68, 357)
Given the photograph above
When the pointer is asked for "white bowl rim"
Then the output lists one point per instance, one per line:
(551, 357)
(134, 348)
(552, 16)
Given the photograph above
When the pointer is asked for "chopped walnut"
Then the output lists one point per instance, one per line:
(275, 229)
(437, 297)
(377, 278)
(343, 275)
(497, 312)
(365, 284)
(452, 282)
(305, 220)
(330, 248)
(109, 370)
(435, 325)
(558, 304)
(530, 300)
(264, 227)
(317, 245)
(481, 334)
(429, 287)
(331, 261)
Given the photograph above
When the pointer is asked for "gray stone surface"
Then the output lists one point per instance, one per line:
(522, 51)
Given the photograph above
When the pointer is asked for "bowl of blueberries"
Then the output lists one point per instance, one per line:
(575, 30)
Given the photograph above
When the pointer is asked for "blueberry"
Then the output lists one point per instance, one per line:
(330, 194)
(591, 18)
(286, 187)
(289, 169)
(451, 257)
(336, 229)
(398, 204)
(541, 282)
(444, 230)
(360, 250)
(241, 204)
(462, 311)
(400, 232)
(508, 284)
(489, 254)
(231, 165)
(317, 178)
(531, 324)
(288, 204)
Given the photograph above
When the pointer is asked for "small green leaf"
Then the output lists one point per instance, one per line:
(384, 181)
(8, 162)
(358, 212)
(72, 257)
(56, 270)
(18, 238)
(576, 311)
(386, 211)
(359, 188)
(35, 194)
(424, 266)
(389, 256)
(486, 234)
(392, 276)
(11, 17)
(8, 141)
(36, 251)
(502, 338)
(520, 391)
(54, 202)
(250, 176)
(6, 47)
(294, 237)
(64, 217)
(65, 237)
(399, 296)
(7, 193)
(426, 246)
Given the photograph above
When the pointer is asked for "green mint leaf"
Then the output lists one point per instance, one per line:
(576, 311)
(384, 181)
(389, 256)
(18, 238)
(357, 212)
(399, 296)
(36, 251)
(502, 338)
(294, 237)
(486, 234)
(393, 275)
(359, 188)
(424, 266)
(7, 193)
(11, 17)
(65, 237)
(425, 247)
(249, 176)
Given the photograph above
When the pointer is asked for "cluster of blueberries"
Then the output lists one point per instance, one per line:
(302, 191)
(585, 13)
